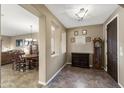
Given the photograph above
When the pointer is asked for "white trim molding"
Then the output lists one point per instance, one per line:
(120, 85)
(68, 63)
(45, 83)
(105, 69)
(42, 83)
(91, 66)
(118, 48)
(55, 74)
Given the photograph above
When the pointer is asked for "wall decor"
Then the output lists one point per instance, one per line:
(72, 39)
(84, 32)
(26, 42)
(88, 39)
(19, 43)
(75, 33)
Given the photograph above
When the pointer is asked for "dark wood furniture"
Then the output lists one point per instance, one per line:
(112, 49)
(80, 60)
(5, 58)
(32, 60)
(34, 49)
(18, 61)
(33, 56)
(98, 53)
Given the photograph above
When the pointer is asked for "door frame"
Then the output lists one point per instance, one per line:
(42, 72)
(118, 47)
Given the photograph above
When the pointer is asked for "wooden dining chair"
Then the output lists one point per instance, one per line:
(19, 63)
(35, 62)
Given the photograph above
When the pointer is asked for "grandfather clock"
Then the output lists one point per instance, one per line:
(98, 53)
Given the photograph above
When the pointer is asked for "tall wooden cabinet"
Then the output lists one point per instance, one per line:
(98, 53)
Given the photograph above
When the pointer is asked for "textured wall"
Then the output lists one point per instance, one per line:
(92, 31)
(9, 42)
(14, 38)
(6, 42)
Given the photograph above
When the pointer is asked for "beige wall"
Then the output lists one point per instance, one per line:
(14, 38)
(6, 42)
(9, 42)
(120, 13)
(26, 36)
(53, 63)
(48, 65)
(92, 31)
(0, 46)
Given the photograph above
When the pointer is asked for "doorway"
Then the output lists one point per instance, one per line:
(112, 49)
(20, 47)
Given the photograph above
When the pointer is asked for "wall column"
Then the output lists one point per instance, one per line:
(42, 50)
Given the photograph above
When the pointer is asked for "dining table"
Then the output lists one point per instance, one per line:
(31, 58)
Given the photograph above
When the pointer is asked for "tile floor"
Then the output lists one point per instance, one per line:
(69, 77)
(16, 79)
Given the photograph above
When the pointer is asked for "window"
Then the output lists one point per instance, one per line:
(52, 40)
(63, 42)
(55, 39)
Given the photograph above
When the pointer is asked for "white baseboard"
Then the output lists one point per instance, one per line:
(91, 65)
(120, 85)
(45, 83)
(105, 69)
(68, 63)
(55, 74)
(42, 83)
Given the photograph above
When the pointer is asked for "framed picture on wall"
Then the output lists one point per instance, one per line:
(26, 42)
(19, 42)
(76, 33)
(88, 39)
(72, 39)
(84, 32)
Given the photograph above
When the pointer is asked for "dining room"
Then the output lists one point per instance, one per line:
(20, 48)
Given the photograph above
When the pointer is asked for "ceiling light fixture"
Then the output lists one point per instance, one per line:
(81, 14)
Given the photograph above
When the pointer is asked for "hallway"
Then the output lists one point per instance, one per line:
(76, 34)
(73, 77)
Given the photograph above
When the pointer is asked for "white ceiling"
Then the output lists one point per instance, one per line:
(15, 20)
(97, 13)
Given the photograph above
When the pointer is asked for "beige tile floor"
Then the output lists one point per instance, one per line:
(16, 79)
